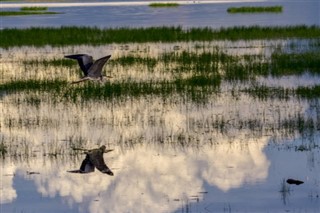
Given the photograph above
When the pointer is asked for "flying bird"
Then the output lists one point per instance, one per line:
(92, 70)
(94, 159)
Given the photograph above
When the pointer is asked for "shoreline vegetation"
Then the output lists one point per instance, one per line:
(271, 9)
(159, 4)
(63, 36)
(28, 11)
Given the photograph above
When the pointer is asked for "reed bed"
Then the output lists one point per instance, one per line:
(94, 36)
(33, 8)
(270, 9)
(295, 63)
(159, 4)
(264, 92)
(26, 12)
(197, 87)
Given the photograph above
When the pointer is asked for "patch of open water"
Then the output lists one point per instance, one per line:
(209, 14)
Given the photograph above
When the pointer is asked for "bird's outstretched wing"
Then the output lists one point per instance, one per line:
(85, 61)
(96, 157)
(96, 69)
(86, 165)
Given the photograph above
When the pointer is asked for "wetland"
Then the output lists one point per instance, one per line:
(200, 119)
(215, 115)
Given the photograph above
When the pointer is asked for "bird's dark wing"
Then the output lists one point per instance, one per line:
(96, 69)
(85, 61)
(86, 165)
(96, 157)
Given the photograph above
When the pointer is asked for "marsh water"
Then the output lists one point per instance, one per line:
(180, 144)
(190, 15)
(179, 152)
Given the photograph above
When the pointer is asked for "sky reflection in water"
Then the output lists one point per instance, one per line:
(194, 15)
(168, 156)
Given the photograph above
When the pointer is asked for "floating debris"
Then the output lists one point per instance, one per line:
(293, 181)
(32, 173)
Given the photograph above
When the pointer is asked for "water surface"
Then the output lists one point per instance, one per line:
(227, 151)
(191, 15)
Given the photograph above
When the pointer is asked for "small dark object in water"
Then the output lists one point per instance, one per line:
(293, 181)
(94, 159)
(32, 173)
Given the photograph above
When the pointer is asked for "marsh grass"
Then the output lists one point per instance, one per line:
(33, 8)
(60, 90)
(264, 92)
(25, 12)
(159, 4)
(211, 63)
(94, 36)
(295, 63)
(53, 62)
(270, 9)
(3, 149)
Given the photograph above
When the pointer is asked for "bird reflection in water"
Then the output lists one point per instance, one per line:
(94, 159)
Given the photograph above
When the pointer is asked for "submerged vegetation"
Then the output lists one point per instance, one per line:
(216, 80)
(95, 36)
(270, 9)
(196, 74)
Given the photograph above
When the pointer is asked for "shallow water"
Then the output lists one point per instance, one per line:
(229, 152)
(190, 15)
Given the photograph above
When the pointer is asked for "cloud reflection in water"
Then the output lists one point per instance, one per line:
(149, 177)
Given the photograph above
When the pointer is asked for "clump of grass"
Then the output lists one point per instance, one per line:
(95, 36)
(271, 9)
(159, 4)
(33, 85)
(60, 90)
(3, 149)
(22, 13)
(264, 92)
(295, 63)
(33, 8)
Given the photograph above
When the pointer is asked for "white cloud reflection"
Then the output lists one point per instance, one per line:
(148, 177)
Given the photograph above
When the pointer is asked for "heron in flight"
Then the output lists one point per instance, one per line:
(94, 159)
(92, 70)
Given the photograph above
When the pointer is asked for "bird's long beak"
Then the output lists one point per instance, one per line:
(108, 76)
(108, 150)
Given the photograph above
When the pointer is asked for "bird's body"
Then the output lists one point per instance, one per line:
(92, 70)
(94, 159)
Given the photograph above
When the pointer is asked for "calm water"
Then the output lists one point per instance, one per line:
(230, 152)
(171, 154)
(194, 15)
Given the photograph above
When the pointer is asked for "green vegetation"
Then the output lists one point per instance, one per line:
(95, 36)
(28, 11)
(295, 63)
(22, 13)
(3, 149)
(159, 4)
(272, 9)
(194, 87)
(264, 92)
(33, 8)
